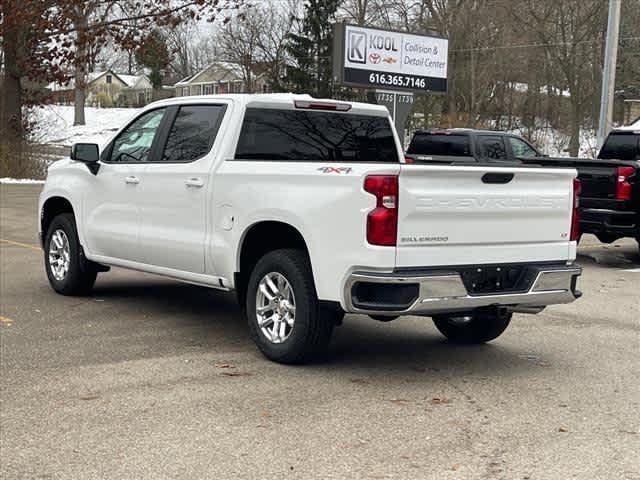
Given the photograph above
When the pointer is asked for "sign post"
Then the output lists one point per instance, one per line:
(399, 105)
(395, 64)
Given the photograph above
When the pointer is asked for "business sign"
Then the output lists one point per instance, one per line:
(369, 57)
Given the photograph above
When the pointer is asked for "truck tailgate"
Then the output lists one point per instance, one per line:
(468, 215)
(598, 177)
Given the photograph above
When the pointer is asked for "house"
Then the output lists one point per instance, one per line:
(220, 77)
(138, 91)
(107, 89)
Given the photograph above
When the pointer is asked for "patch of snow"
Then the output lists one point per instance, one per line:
(555, 143)
(13, 181)
(635, 126)
(549, 140)
(54, 124)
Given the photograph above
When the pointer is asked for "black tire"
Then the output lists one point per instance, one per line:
(384, 318)
(82, 273)
(311, 331)
(483, 326)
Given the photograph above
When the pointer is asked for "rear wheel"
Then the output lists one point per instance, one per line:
(68, 271)
(283, 312)
(476, 327)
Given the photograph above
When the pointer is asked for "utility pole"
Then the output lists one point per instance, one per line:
(609, 73)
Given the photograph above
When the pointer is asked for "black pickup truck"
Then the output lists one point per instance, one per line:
(610, 198)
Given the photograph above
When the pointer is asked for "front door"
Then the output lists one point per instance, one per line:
(111, 210)
(174, 195)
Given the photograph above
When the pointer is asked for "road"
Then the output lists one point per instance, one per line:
(150, 378)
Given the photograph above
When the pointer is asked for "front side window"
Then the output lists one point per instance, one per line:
(134, 143)
(492, 148)
(193, 132)
(521, 149)
(301, 135)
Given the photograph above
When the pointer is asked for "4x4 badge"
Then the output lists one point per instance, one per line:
(338, 170)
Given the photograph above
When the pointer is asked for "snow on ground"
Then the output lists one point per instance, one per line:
(27, 181)
(54, 124)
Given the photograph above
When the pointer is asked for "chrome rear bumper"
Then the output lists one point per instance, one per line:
(444, 291)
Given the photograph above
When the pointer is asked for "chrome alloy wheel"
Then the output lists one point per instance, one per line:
(275, 307)
(59, 255)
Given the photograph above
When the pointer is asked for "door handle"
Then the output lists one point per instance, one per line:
(499, 178)
(132, 180)
(194, 182)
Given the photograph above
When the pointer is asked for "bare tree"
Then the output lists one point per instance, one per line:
(568, 31)
(272, 41)
(239, 40)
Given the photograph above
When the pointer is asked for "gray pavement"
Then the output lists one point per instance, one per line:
(150, 378)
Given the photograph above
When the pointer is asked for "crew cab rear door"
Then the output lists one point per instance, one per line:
(466, 215)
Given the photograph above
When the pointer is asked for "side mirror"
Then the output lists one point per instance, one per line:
(87, 153)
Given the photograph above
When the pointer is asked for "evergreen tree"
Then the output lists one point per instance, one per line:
(154, 54)
(311, 50)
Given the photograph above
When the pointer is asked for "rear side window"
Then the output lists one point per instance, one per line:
(440, 144)
(270, 134)
(621, 146)
(193, 132)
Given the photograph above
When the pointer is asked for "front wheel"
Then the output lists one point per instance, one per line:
(68, 271)
(283, 312)
(475, 327)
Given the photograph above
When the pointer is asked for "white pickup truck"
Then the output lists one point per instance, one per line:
(305, 208)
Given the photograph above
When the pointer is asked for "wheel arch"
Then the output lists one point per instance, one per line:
(52, 207)
(260, 238)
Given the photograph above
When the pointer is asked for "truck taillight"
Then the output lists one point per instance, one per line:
(382, 221)
(623, 187)
(575, 216)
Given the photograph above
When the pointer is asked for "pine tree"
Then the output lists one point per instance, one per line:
(311, 50)
(154, 54)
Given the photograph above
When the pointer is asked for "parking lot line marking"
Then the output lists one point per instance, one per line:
(6, 320)
(19, 244)
(633, 270)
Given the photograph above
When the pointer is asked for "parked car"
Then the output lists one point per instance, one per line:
(305, 209)
(465, 145)
(610, 196)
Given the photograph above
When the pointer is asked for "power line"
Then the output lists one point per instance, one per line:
(537, 45)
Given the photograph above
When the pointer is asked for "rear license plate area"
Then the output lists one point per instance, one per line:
(489, 279)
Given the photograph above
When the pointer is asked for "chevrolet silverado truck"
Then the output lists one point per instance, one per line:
(305, 209)
(610, 193)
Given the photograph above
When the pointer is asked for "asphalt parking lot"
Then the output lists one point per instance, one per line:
(150, 378)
